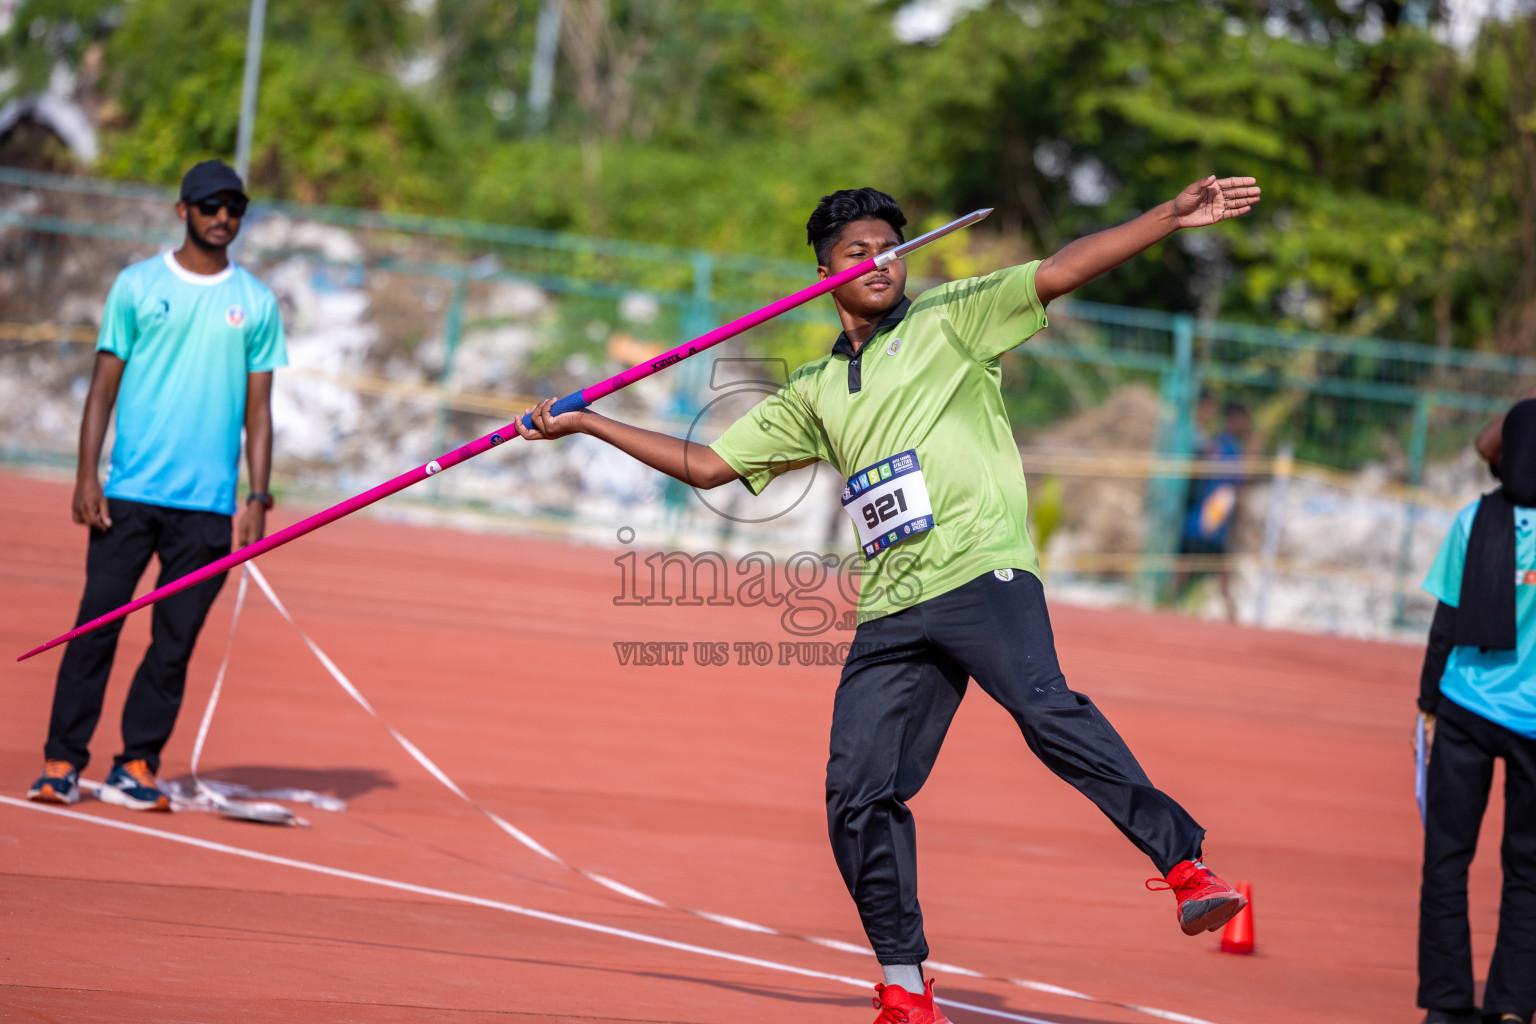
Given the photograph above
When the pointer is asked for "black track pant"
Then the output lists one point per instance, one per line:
(1460, 776)
(184, 540)
(900, 688)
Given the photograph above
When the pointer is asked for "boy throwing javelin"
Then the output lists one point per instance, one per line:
(908, 407)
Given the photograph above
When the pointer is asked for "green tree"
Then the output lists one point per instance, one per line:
(1391, 168)
(1399, 172)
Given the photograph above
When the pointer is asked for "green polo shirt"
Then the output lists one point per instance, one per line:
(929, 379)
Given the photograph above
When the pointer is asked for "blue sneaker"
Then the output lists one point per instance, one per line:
(132, 785)
(60, 784)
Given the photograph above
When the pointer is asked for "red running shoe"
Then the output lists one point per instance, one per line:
(1205, 901)
(898, 1006)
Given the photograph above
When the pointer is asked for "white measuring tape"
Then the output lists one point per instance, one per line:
(214, 796)
(230, 799)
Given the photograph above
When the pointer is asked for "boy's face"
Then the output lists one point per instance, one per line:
(877, 291)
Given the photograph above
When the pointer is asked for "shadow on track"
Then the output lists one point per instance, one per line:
(343, 783)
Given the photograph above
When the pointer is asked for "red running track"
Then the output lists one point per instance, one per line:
(701, 786)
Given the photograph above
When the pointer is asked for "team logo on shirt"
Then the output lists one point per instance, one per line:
(893, 347)
(235, 316)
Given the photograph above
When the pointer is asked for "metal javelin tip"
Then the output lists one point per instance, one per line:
(891, 255)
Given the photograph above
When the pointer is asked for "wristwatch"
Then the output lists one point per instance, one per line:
(261, 496)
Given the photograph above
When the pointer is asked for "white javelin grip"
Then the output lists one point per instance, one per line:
(892, 255)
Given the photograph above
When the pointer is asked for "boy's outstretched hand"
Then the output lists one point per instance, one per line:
(1205, 202)
(1209, 201)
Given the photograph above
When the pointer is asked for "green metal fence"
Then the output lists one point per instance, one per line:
(1337, 402)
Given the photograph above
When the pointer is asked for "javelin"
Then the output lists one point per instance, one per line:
(573, 402)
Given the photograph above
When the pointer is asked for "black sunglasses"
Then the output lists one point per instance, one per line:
(210, 207)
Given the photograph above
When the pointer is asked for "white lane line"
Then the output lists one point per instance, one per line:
(1150, 1011)
(735, 922)
(841, 946)
(480, 901)
(1040, 986)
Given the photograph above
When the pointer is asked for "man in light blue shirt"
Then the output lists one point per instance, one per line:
(1478, 697)
(188, 344)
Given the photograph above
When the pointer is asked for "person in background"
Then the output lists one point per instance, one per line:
(1212, 505)
(1477, 694)
(188, 344)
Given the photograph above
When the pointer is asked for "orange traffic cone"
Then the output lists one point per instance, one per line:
(1237, 937)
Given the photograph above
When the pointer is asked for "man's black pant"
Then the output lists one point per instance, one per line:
(184, 540)
(900, 689)
(1460, 776)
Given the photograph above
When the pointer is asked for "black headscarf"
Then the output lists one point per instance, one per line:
(1486, 615)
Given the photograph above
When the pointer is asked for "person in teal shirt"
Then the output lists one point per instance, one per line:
(1477, 694)
(187, 347)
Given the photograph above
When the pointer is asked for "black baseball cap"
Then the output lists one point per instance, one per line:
(210, 178)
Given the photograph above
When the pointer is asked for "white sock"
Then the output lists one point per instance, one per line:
(908, 976)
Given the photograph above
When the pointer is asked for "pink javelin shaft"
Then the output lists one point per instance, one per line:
(570, 403)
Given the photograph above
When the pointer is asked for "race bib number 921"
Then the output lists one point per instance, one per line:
(888, 502)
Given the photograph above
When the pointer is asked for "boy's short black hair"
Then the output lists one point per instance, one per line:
(842, 208)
